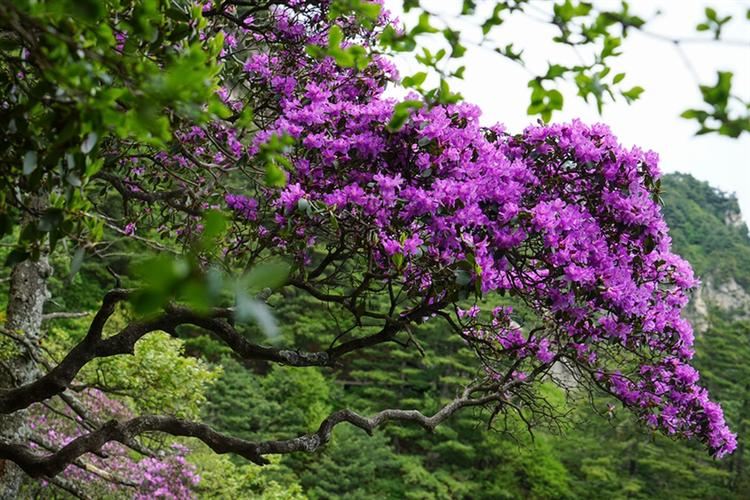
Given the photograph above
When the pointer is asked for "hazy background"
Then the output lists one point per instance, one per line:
(669, 75)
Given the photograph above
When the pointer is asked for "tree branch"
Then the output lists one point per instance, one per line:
(54, 463)
(59, 378)
(64, 315)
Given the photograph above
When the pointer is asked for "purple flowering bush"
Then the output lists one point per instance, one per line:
(115, 472)
(562, 217)
(390, 213)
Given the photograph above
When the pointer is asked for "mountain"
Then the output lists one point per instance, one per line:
(707, 229)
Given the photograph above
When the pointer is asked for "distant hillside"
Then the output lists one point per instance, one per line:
(707, 229)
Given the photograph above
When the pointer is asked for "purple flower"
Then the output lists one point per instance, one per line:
(247, 207)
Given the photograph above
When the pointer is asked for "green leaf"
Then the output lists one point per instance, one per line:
(16, 256)
(50, 220)
(468, 7)
(247, 309)
(29, 162)
(90, 10)
(423, 26)
(271, 274)
(275, 176)
(75, 262)
(410, 4)
(555, 71)
(415, 80)
(401, 112)
(73, 179)
(89, 143)
(632, 94)
(463, 278)
(694, 114)
(315, 51)
(93, 166)
(6, 224)
(398, 260)
(555, 99)
(335, 37)
(214, 227)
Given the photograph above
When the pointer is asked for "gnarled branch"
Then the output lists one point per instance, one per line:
(59, 378)
(54, 463)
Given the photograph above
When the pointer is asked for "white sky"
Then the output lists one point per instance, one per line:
(498, 85)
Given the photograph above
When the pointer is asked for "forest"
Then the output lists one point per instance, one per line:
(236, 265)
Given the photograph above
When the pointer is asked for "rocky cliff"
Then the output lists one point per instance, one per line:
(708, 229)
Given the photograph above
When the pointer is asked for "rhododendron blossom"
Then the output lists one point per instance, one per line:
(562, 216)
(391, 213)
(166, 474)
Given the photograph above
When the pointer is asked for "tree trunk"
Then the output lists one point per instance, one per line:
(26, 297)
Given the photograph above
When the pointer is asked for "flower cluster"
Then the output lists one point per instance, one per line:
(166, 474)
(561, 216)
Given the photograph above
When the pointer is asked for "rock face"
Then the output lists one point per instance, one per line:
(708, 229)
(726, 295)
(734, 219)
(729, 297)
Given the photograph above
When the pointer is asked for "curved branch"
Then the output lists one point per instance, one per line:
(169, 197)
(54, 463)
(59, 378)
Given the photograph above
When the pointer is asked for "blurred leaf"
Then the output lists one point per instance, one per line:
(401, 112)
(632, 94)
(247, 309)
(75, 262)
(271, 274)
(16, 256)
(275, 176)
(214, 226)
(29, 162)
(89, 143)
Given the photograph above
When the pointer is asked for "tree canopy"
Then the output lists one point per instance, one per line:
(248, 152)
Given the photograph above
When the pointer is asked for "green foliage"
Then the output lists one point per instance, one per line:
(221, 478)
(720, 117)
(599, 28)
(157, 378)
(78, 75)
(713, 23)
(355, 465)
(697, 215)
(611, 454)
(280, 404)
(543, 101)
(351, 56)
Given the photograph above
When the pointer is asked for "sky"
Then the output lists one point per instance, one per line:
(498, 85)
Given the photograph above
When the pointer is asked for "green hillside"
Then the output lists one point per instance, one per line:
(697, 215)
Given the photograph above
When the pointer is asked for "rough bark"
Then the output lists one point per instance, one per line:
(26, 297)
(36, 465)
(93, 346)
